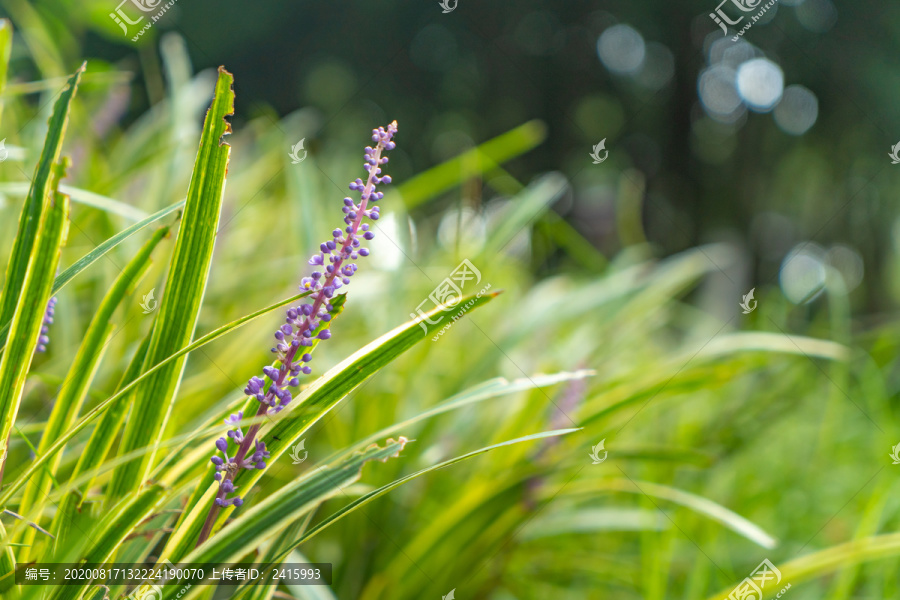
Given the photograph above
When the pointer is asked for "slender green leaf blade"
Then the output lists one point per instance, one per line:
(75, 387)
(182, 297)
(472, 163)
(365, 499)
(37, 197)
(29, 312)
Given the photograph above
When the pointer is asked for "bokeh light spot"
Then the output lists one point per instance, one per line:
(621, 49)
(797, 111)
(760, 83)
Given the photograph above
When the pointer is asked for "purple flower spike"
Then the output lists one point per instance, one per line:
(44, 339)
(336, 261)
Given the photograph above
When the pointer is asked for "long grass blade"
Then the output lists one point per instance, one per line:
(29, 312)
(182, 297)
(39, 195)
(77, 381)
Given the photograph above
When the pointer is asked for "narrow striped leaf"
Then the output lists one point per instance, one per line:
(29, 311)
(74, 389)
(39, 194)
(182, 297)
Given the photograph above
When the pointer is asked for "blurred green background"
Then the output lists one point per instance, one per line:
(759, 164)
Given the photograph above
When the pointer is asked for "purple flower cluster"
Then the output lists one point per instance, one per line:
(45, 327)
(308, 322)
(230, 465)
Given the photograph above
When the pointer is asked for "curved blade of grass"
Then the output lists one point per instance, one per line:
(180, 305)
(365, 499)
(524, 209)
(483, 391)
(291, 502)
(473, 163)
(39, 195)
(698, 504)
(74, 389)
(29, 312)
(829, 560)
(94, 255)
(15, 188)
(764, 341)
(307, 408)
(98, 410)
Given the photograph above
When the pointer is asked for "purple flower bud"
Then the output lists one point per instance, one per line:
(227, 486)
(237, 501)
(49, 311)
(217, 461)
(222, 444)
